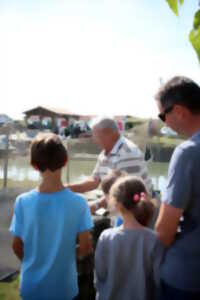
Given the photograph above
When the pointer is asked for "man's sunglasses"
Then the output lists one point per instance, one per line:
(162, 115)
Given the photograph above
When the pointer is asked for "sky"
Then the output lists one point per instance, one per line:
(102, 57)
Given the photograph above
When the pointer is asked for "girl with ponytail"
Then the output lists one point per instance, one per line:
(127, 258)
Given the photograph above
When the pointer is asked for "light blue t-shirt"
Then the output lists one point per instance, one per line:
(48, 224)
(181, 267)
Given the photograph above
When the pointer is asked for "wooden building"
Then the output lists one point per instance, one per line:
(51, 112)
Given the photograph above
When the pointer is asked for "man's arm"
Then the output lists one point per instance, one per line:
(85, 243)
(18, 247)
(167, 223)
(86, 186)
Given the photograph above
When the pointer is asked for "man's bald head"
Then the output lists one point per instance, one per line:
(105, 132)
(104, 123)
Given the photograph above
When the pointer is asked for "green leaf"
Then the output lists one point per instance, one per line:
(194, 35)
(181, 2)
(194, 38)
(196, 22)
(173, 4)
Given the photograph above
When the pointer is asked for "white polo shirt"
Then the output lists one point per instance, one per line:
(124, 156)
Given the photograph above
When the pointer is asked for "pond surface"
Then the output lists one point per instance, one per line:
(21, 173)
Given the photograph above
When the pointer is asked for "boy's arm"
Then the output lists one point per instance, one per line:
(86, 186)
(16, 229)
(85, 243)
(18, 247)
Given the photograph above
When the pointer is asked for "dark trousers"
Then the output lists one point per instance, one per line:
(169, 293)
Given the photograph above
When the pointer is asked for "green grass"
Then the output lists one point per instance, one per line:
(10, 291)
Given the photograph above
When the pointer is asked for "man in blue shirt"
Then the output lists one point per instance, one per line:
(46, 224)
(179, 106)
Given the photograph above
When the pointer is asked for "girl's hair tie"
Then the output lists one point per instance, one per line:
(138, 197)
(142, 196)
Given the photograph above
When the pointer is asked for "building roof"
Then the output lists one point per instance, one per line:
(48, 111)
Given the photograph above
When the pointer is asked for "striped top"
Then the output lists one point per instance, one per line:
(124, 156)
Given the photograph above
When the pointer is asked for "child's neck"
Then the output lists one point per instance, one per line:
(129, 222)
(51, 182)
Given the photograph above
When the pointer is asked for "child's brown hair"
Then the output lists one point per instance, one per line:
(109, 180)
(48, 152)
(131, 192)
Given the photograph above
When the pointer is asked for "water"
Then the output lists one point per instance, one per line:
(20, 172)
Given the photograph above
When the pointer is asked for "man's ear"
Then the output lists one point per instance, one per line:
(181, 111)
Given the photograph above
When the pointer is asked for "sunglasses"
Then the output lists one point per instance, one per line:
(162, 115)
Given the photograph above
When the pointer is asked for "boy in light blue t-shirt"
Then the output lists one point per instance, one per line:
(45, 226)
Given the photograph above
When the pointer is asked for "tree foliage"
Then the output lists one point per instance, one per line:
(194, 35)
(173, 4)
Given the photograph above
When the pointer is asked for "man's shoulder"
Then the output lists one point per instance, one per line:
(129, 146)
(186, 149)
(128, 142)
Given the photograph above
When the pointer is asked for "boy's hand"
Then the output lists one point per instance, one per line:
(18, 247)
(95, 205)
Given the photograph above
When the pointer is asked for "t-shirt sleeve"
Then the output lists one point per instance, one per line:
(16, 226)
(178, 190)
(86, 222)
(158, 256)
(100, 261)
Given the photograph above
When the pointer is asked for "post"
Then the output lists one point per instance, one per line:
(5, 177)
(68, 162)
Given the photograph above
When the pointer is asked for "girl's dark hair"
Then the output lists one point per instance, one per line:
(110, 179)
(48, 152)
(124, 189)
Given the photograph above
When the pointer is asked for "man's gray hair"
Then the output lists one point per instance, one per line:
(104, 123)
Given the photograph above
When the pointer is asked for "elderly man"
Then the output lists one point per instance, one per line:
(118, 153)
(179, 106)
